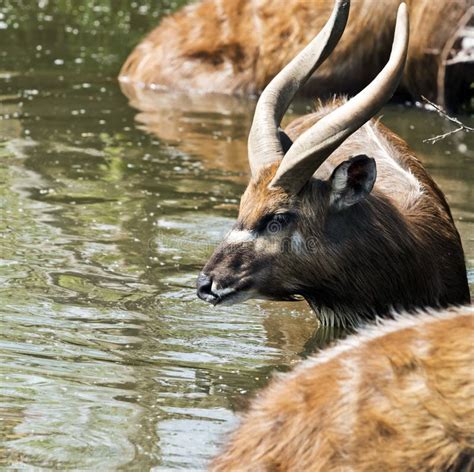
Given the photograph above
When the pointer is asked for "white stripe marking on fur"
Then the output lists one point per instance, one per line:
(240, 236)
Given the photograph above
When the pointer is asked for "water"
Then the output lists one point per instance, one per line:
(107, 358)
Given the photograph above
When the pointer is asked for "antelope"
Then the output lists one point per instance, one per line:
(238, 46)
(398, 396)
(338, 210)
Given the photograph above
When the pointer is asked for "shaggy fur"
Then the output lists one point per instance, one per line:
(397, 248)
(399, 396)
(238, 46)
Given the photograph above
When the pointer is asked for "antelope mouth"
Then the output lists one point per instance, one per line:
(210, 291)
(231, 297)
(228, 298)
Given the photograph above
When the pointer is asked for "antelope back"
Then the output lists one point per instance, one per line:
(238, 46)
(397, 396)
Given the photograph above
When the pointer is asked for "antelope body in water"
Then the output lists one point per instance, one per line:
(238, 46)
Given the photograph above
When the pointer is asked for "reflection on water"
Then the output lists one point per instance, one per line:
(106, 357)
(212, 127)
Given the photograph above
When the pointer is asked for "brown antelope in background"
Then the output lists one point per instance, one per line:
(397, 397)
(238, 46)
(338, 209)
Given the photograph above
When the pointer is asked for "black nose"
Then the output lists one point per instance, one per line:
(204, 292)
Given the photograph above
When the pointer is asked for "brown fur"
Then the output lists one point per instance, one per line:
(238, 46)
(396, 397)
(396, 248)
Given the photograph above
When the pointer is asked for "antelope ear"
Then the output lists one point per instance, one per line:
(352, 181)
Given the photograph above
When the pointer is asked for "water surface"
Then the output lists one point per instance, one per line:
(107, 359)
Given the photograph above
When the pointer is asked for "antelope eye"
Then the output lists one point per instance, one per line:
(283, 219)
(275, 222)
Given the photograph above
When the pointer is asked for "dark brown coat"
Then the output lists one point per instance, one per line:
(398, 247)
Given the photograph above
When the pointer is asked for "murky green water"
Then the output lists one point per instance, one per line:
(107, 359)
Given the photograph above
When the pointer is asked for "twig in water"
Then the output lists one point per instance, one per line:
(461, 126)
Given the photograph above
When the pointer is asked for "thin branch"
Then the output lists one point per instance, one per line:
(441, 112)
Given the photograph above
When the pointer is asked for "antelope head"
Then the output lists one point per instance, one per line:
(293, 230)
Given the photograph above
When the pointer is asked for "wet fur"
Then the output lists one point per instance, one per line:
(399, 396)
